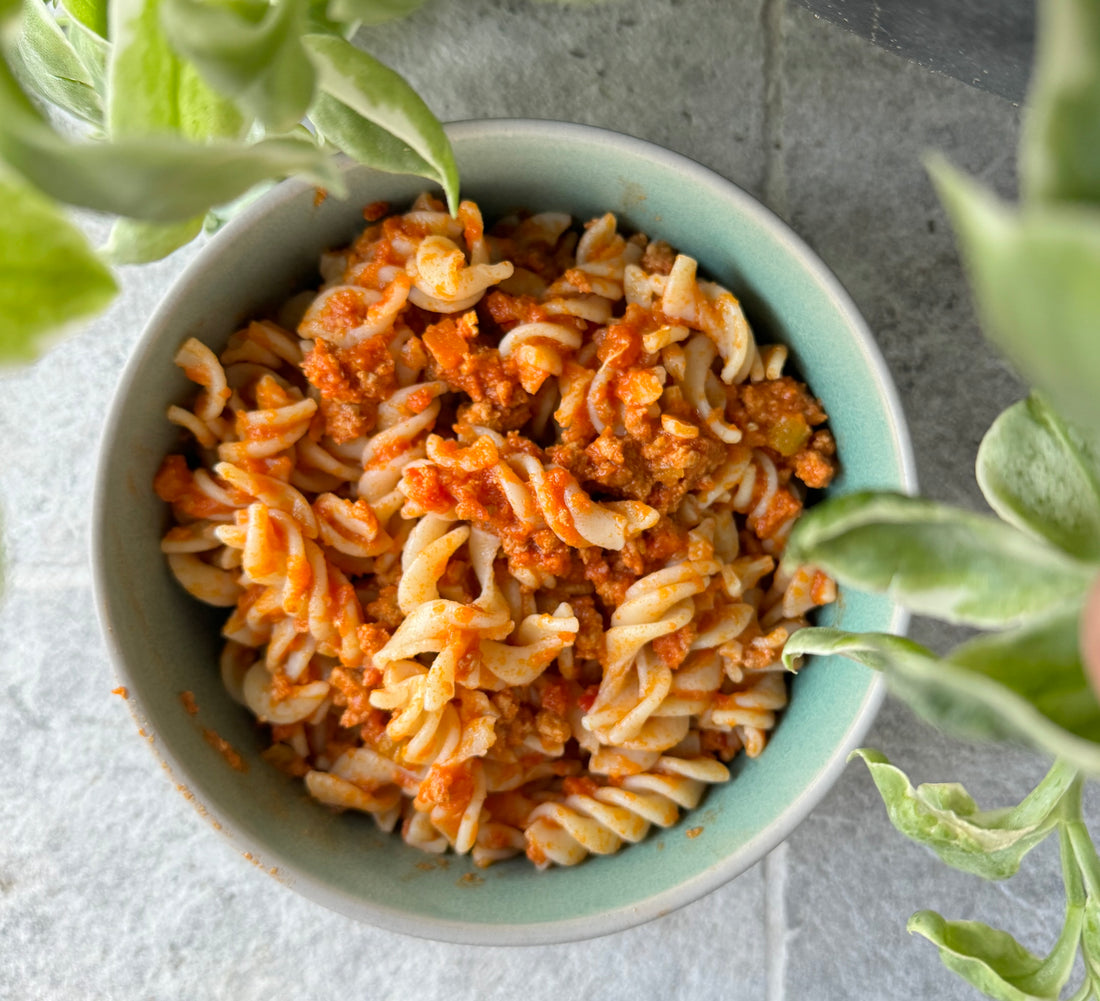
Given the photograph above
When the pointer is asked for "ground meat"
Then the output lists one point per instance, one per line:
(507, 310)
(658, 472)
(672, 649)
(815, 465)
(351, 689)
(347, 421)
(677, 465)
(352, 381)
(662, 543)
(612, 573)
(497, 400)
(383, 610)
(658, 258)
(552, 727)
(589, 641)
(448, 787)
(782, 508)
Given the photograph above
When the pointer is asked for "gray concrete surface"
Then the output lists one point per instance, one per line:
(111, 886)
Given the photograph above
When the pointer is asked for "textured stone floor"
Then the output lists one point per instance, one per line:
(111, 886)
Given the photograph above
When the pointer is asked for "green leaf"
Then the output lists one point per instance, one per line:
(945, 818)
(956, 698)
(153, 91)
(135, 242)
(1084, 854)
(319, 22)
(1060, 148)
(1040, 662)
(370, 12)
(995, 963)
(365, 141)
(219, 215)
(1041, 475)
(90, 13)
(381, 96)
(937, 560)
(157, 179)
(48, 63)
(1090, 939)
(93, 53)
(1036, 282)
(49, 276)
(259, 61)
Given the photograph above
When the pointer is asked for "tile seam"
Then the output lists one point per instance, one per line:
(773, 15)
(775, 924)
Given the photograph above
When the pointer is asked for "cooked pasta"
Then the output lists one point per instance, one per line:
(500, 524)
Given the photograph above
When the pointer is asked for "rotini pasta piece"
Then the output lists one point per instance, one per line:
(658, 604)
(701, 387)
(402, 420)
(265, 432)
(437, 625)
(714, 310)
(350, 527)
(445, 282)
(313, 458)
(628, 710)
(452, 795)
(289, 651)
(602, 256)
(419, 832)
(537, 348)
(538, 641)
(201, 365)
(750, 710)
(347, 314)
(264, 343)
(302, 702)
(275, 553)
(565, 832)
(208, 583)
(333, 790)
(553, 495)
(495, 842)
(196, 537)
(273, 493)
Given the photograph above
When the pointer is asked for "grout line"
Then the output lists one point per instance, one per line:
(773, 13)
(775, 923)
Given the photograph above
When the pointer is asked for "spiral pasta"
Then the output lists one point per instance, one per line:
(500, 526)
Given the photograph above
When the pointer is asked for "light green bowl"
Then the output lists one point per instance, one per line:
(164, 643)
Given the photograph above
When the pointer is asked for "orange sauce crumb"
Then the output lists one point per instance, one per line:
(187, 700)
(225, 749)
(694, 832)
(122, 690)
(375, 211)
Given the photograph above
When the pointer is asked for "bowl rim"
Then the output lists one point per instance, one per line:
(535, 933)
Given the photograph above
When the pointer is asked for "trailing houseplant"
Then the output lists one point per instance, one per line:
(163, 113)
(1023, 574)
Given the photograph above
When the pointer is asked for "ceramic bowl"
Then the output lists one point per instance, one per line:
(164, 643)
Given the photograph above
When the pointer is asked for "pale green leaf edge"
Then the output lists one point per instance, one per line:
(873, 650)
